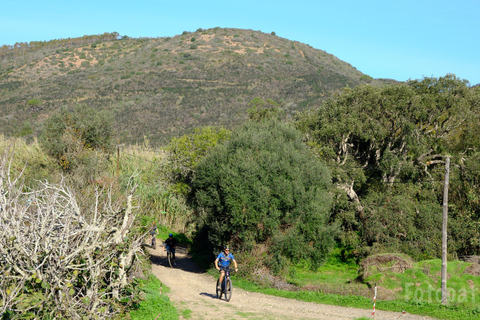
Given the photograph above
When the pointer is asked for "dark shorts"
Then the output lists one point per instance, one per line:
(224, 268)
(170, 249)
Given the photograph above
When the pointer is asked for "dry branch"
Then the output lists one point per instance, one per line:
(59, 258)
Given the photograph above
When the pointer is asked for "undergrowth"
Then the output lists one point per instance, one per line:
(155, 304)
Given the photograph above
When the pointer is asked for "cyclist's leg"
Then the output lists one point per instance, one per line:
(222, 274)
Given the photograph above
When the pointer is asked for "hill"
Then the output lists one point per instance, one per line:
(163, 87)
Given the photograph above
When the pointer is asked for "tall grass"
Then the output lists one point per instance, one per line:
(156, 201)
(28, 157)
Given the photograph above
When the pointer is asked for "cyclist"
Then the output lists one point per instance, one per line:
(153, 232)
(222, 263)
(170, 245)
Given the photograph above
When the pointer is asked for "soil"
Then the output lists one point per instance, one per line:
(194, 290)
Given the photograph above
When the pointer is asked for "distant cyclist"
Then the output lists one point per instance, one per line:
(153, 233)
(170, 245)
(223, 261)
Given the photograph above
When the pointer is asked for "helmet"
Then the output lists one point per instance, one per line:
(170, 235)
(226, 247)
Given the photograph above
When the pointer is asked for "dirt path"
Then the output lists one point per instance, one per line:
(194, 290)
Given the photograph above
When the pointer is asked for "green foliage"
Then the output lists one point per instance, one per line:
(185, 152)
(34, 102)
(387, 145)
(78, 137)
(156, 200)
(366, 78)
(261, 110)
(262, 186)
(30, 158)
(154, 303)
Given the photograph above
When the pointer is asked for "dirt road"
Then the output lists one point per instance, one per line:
(194, 290)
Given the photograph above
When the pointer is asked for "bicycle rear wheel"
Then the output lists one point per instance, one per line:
(228, 289)
(169, 257)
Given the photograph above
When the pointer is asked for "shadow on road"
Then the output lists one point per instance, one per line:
(159, 257)
(213, 296)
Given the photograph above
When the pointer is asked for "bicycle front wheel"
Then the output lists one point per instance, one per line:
(169, 257)
(228, 289)
(219, 290)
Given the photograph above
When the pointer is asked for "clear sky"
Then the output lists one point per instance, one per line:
(396, 39)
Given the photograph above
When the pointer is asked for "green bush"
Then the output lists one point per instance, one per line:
(264, 187)
(78, 137)
(185, 152)
(34, 102)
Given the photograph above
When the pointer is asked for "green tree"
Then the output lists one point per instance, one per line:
(185, 152)
(386, 146)
(260, 109)
(73, 136)
(264, 187)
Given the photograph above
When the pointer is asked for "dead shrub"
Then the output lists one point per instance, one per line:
(385, 262)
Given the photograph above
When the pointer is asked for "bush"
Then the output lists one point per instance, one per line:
(264, 186)
(74, 136)
(63, 257)
(34, 102)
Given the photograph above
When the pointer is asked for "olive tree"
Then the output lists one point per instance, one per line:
(184, 153)
(386, 146)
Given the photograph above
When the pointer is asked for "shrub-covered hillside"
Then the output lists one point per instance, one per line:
(163, 87)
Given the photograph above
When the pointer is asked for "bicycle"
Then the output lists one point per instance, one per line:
(154, 242)
(226, 287)
(170, 258)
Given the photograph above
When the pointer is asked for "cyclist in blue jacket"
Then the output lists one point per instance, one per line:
(223, 262)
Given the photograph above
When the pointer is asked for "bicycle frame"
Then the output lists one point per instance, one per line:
(224, 282)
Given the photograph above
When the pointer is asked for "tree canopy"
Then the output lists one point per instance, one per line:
(263, 186)
(70, 135)
(185, 152)
(387, 146)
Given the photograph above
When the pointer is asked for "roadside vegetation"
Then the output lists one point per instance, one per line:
(322, 207)
(415, 291)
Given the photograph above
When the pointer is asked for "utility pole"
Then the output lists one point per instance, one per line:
(444, 231)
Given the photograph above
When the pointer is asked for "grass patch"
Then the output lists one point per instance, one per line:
(154, 303)
(451, 312)
(416, 290)
(187, 313)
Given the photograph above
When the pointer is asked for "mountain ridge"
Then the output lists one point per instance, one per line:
(163, 87)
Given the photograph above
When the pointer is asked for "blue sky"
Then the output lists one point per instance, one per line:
(401, 40)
